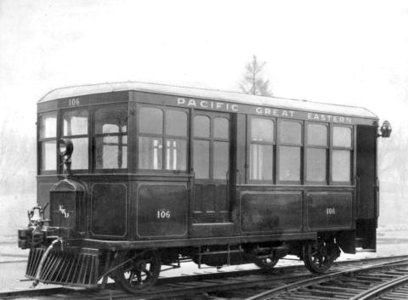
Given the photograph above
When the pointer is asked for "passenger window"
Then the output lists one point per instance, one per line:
(47, 139)
(202, 126)
(150, 153)
(316, 135)
(176, 123)
(261, 149)
(290, 132)
(111, 144)
(221, 128)
(290, 140)
(75, 127)
(316, 165)
(151, 120)
(316, 153)
(341, 160)
(289, 163)
(158, 151)
(342, 137)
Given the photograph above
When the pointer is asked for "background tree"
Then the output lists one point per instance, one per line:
(253, 82)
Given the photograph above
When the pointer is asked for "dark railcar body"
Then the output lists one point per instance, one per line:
(218, 177)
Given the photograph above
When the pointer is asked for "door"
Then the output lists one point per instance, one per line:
(367, 186)
(214, 156)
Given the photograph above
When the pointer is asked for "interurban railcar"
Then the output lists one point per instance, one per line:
(133, 176)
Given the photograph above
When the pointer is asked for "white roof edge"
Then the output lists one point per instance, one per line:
(193, 92)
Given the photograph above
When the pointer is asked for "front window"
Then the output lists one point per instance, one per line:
(47, 138)
(75, 128)
(111, 140)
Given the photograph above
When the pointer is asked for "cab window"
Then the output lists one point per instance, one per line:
(111, 139)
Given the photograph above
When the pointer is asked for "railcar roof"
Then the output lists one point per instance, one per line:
(200, 93)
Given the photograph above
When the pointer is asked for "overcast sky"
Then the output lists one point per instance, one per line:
(347, 52)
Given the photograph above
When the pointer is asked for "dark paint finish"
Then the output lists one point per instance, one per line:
(271, 211)
(109, 210)
(162, 210)
(329, 210)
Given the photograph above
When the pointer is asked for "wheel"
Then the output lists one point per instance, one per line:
(319, 257)
(266, 263)
(140, 270)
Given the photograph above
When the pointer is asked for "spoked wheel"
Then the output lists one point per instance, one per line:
(266, 263)
(140, 270)
(319, 257)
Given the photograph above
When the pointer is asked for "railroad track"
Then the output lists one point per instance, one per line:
(386, 280)
(225, 285)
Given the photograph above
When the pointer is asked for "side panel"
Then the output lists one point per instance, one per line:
(109, 210)
(271, 211)
(329, 210)
(162, 210)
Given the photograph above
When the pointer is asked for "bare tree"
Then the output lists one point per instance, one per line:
(253, 82)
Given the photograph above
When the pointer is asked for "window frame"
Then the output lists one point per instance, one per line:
(274, 150)
(292, 145)
(327, 151)
(212, 115)
(95, 135)
(164, 137)
(60, 134)
(41, 141)
(344, 148)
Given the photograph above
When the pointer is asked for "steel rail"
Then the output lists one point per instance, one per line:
(320, 279)
(381, 289)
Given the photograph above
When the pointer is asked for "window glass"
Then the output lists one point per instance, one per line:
(176, 154)
(220, 160)
(202, 159)
(75, 123)
(111, 152)
(48, 156)
(176, 123)
(151, 120)
(341, 163)
(111, 140)
(290, 132)
(261, 162)
(201, 126)
(80, 155)
(316, 135)
(221, 128)
(48, 126)
(150, 153)
(289, 163)
(341, 136)
(111, 120)
(261, 130)
(316, 164)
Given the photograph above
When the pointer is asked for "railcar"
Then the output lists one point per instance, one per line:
(133, 176)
